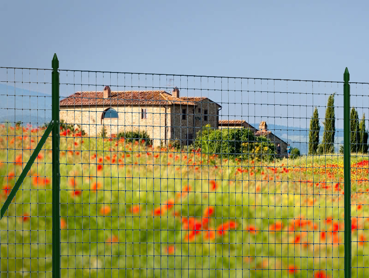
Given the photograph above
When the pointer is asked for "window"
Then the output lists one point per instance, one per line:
(199, 110)
(143, 113)
(189, 138)
(110, 114)
(184, 112)
(205, 115)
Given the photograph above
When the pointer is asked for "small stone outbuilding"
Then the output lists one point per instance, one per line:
(263, 131)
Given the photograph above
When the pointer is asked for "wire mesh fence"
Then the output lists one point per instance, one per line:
(176, 175)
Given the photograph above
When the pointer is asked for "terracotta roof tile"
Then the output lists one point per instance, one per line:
(196, 99)
(232, 122)
(123, 98)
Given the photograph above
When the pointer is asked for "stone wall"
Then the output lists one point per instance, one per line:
(186, 129)
(276, 140)
(129, 119)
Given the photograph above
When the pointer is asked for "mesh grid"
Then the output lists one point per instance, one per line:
(176, 175)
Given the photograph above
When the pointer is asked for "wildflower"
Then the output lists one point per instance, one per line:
(135, 209)
(113, 239)
(96, 186)
(99, 167)
(158, 211)
(18, 160)
(222, 229)
(25, 217)
(320, 274)
(75, 193)
(292, 269)
(278, 226)
(105, 210)
(170, 249)
(362, 240)
(6, 189)
(63, 224)
(251, 229)
(208, 211)
(209, 235)
(169, 204)
(213, 185)
(72, 182)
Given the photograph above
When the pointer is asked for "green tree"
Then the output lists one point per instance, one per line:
(329, 127)
(314, 133)
(363, 147)
(354, 117)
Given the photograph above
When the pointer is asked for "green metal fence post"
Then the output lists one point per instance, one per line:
(347, 171)
(56, 171)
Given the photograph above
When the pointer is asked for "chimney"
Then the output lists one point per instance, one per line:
(107, 92)
(263, 126)
(175, 92)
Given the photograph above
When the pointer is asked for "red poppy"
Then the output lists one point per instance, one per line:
(209, 235)
(213, 185)
(113, 239)
(18, 160)
(25, 217)
(105, 210)
(362, 240)
(278, 226)
(251, 229)
(135, 209)
(63, 224)
(292, 269)
(99, 167)
(96, 186)
(208, 212)
(7, 189)
(72, 182)
(170, 249)
(75, 193)
(320, 274)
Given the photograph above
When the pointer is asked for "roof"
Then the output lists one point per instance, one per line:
(121, 98)
(197, 99)
(235, 123)
(232, 122)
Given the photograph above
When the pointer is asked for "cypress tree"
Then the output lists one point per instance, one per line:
(363, 146)
(314, 132)
(354, 117)
(329, 127)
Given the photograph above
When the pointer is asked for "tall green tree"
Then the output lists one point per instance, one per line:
(354, 125)
(329, 127)
(314, 133)
(363, 143)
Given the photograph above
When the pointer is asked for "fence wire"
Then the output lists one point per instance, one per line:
(189, 176)
(25, 232)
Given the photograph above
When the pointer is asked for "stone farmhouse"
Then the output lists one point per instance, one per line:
(162, 115)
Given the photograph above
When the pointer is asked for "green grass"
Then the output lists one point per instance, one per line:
(304, 197)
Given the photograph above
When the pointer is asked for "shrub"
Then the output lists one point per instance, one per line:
(295, 153)
(235, 143)
(132, 136)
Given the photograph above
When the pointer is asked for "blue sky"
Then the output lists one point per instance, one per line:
(277, 39)
(313, 40)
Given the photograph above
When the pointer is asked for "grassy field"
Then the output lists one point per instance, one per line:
(130, 210)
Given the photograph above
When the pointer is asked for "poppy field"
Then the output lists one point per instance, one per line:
(132, 210)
